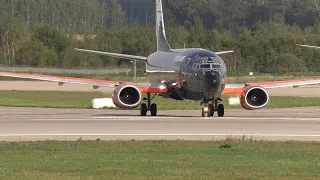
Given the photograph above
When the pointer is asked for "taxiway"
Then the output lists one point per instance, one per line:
(32, 124)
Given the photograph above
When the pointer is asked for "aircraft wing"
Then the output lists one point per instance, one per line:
(238, 88)
(143, 87)
(116, 55)
(224, 52)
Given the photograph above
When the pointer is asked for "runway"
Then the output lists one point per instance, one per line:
(33, 124)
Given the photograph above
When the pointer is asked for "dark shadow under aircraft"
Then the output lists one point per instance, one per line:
(181, 74)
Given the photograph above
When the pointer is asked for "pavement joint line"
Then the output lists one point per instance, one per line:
(123, 135)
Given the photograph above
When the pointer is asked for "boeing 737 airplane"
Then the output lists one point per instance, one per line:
(181, 74)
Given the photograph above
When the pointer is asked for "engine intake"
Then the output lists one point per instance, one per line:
(127, 96)
(253, 98)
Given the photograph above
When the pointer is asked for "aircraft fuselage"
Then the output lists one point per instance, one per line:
(190, 74)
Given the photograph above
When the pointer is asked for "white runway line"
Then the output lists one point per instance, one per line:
(124, 135)
(220, 118)
(138, 118)
(271, 118)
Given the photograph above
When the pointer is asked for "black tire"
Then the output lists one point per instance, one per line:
(153, 109)
(211, 109)
(203, 113)
(220, 110)
(143, 110)
(208, 114)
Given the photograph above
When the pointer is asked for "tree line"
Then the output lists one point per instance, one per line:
(43, 33)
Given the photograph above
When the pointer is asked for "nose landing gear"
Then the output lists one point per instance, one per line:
(149, 107)
(206, 112)
(213, 106)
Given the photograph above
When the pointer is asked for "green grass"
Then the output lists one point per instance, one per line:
(159, 160)
(83, 100)
(52, 99)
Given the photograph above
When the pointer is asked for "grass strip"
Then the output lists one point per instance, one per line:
(159, 160)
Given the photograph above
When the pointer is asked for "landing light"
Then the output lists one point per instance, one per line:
(174, 85)
(162, 87)
(206, 109)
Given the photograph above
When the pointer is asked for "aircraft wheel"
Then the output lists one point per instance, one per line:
(211, 109)
(153, 109)
(143, 110)
(220, 110)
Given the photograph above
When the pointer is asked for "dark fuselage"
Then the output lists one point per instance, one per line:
(191, 74)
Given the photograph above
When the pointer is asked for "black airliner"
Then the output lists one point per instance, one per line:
(192, 74)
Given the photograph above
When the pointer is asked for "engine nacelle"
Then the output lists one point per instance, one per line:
(127, 96)
(254, 97)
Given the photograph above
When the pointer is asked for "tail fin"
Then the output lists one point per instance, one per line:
(162, 42)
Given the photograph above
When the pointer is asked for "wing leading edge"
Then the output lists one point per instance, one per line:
(116, 55)
(238, 88)
(143, 87)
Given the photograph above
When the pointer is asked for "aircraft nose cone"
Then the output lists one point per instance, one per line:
(213, 76)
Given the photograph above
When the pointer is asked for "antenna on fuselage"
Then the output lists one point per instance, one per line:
(162, 42)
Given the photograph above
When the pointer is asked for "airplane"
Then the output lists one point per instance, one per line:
(192, 74)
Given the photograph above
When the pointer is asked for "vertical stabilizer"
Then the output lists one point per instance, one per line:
(162, 42)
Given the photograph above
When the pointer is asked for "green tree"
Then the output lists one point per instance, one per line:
(13, 33)
(53, 38)
(34, 53)
(286, 63)
(117, 16)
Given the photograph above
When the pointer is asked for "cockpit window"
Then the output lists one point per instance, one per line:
(205, 66)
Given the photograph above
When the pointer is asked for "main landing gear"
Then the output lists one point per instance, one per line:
(211, 107)
(148, 107)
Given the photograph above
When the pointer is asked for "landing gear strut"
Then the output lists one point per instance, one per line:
(148, 107)
(211, 106)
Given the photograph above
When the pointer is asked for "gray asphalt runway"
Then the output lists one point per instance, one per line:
(30, 124)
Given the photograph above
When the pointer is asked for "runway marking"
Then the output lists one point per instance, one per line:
(123, 135)
(138, 118)
(271, 118)
(208, 118)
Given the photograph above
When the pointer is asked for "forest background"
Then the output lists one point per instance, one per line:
(263, 33)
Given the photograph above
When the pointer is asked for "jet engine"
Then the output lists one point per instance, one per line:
(127, 96)
(254, 97)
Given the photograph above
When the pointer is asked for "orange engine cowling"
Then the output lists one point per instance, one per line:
(254, 97)
(127, 96)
